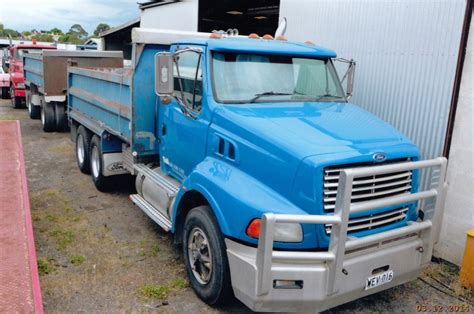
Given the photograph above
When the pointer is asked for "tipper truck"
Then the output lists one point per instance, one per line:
(278, 190)
(45, 76)
(17, 86)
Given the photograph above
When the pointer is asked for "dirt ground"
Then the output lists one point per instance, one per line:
(97, 252)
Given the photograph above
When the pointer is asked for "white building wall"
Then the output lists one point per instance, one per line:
(406, 53)
(181, 16)
(459, 212)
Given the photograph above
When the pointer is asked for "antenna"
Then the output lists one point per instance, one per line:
(281, 30)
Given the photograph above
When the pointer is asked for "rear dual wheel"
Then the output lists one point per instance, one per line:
(48, 120)
(101, 182)
(53, 117)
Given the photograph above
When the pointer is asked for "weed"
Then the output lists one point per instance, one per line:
(154, 291)
(178, 283)
(45, 266)
(77, 259)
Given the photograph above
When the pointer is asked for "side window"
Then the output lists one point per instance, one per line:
(188, 80)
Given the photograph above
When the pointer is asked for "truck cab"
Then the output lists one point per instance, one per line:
(277, 188)
(17, 86)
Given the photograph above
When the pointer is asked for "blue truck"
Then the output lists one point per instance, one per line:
(45, 74)
(278, 190)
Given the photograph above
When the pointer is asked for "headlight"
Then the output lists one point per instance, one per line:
(20, 85)
(284, 231)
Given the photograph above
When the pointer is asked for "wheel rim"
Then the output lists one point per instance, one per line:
(80, 149)
(43, 118)
(200, 256)
(28, 101)
(95, 161)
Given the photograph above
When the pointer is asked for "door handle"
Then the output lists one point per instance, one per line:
(163, 129)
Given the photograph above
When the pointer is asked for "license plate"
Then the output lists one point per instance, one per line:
(379, 279)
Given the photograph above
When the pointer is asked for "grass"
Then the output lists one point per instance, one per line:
(154, 291)
(45, 266)
(77, 259)
(62, 238)
(162, 291)
(446, 275)
(148, 249)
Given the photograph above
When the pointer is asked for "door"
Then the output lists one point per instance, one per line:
(184, 121)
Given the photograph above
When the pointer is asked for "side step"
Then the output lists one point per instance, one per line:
(155, 215)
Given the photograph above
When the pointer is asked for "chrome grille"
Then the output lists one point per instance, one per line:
(365, 188)
(374, 221)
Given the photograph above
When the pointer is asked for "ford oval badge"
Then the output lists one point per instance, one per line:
(379, 157)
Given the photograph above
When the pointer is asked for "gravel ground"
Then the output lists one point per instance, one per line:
(97, 252)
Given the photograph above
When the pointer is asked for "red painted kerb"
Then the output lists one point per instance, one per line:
(19, 287)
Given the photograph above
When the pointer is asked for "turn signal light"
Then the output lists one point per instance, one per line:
(309, 42)
(254, 36)
(215, 36)
(281, 38)
(253, 230)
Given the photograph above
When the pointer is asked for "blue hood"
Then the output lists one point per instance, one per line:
(279, 136)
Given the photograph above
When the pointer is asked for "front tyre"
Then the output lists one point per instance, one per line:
(17, 103)
(206, 257)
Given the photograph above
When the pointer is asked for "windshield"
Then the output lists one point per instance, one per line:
(244, 78)
(21, 52)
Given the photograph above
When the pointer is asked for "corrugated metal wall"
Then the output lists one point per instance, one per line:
(406, 53)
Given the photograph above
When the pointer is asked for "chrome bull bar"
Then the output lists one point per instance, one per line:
(339, 244)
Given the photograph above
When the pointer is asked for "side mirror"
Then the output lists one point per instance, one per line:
(350, 79)
(164, 81)
(349, 75)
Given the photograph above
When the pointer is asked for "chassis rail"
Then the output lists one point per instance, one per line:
(339, 242)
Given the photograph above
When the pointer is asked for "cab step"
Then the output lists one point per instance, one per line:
(154, 214)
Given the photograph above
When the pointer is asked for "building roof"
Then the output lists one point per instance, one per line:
(154, 3)
(121, 27)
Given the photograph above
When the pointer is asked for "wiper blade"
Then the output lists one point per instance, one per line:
(257, 96)
(328, 96)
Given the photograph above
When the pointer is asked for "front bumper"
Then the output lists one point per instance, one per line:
(338, 275)
(19, 92)
(4, 84)
(404, 259)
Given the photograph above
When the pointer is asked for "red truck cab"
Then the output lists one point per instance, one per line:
(17, 86)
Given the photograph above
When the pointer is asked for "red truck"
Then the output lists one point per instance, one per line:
(17, 80)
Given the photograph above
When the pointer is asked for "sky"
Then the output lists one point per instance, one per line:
(25, 15)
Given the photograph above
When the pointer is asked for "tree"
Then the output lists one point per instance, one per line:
(102, 27)
(79, 31)
(56, 31)
(26, 33)
(44, 38)
(71, 39)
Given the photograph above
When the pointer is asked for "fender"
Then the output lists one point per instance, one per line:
(237, 198)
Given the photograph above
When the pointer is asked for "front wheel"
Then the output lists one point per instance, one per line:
(205, 257)
(16, 101)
